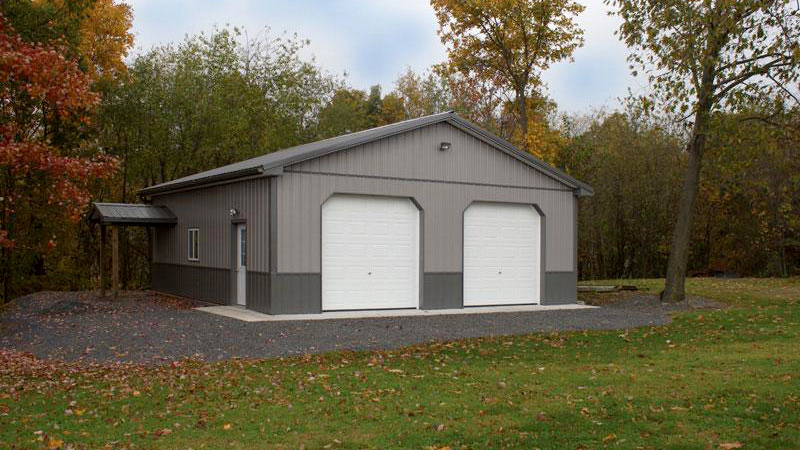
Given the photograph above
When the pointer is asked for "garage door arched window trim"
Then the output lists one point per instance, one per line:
(542, 244)
(420, 242)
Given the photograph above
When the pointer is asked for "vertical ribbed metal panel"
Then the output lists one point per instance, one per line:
(416, 154)
(208, 209)
(300, 197)
(399, 166)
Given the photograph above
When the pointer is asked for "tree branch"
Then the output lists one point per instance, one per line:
(749, 60)
(783, 88)
(738, 79)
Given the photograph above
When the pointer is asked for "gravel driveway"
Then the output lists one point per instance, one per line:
(146, 327)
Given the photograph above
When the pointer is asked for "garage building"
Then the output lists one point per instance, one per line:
(428, 213)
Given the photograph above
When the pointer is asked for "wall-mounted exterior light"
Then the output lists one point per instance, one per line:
(444, 146)
(233, 212)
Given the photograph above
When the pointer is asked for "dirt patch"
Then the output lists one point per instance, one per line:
(644, 300)
(57, 303)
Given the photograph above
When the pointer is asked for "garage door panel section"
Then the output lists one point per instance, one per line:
(502, 254)
(370, 253)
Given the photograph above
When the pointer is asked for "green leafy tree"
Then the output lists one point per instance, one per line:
(701, 56)
(347, 112)
(210, 100)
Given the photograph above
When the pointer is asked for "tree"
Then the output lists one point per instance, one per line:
(95, 32)
(439, 90)
(542, 139)
(423, 94)
(508, 42)
(392, 109)
(701, 56)
(748, 208)
(633, 163)
(210, 100)
(347, 112)
(105, 38)
(44, 177)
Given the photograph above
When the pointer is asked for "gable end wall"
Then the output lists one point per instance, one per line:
(416, 155)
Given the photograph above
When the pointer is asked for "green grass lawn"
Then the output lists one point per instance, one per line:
(711, 379)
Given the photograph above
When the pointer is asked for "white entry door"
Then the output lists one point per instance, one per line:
(502, 254)
(370, 253)
(241, 264)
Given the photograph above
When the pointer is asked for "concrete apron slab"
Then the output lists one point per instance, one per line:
(246, 315)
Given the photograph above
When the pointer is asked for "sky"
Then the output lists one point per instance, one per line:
(373, 41)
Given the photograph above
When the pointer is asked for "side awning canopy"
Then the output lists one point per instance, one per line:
(131, 214)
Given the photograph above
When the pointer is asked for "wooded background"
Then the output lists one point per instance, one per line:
(219, 97)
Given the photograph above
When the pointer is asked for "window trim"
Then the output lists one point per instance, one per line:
(196, 232)
(240, 247)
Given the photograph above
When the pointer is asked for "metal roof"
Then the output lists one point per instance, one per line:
(273, 163)
(131, 214)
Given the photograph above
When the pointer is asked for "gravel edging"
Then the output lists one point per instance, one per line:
(144, 327)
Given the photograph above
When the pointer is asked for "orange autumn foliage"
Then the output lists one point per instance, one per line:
(41, 91)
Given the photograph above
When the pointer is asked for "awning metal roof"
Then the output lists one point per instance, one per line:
(131, 214)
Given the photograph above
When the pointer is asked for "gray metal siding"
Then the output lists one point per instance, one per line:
(442, 291)
(207, 209)
(201, 283)
(296, 293)
(300, 196)
(416, 155)
(560, 288)
(258, 291)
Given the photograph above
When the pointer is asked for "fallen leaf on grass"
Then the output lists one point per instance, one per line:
(730, 445)
(163, 432)
(609, 438)
(227, 426)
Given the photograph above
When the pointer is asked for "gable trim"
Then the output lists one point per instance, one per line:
(581, 188)
(425, 180)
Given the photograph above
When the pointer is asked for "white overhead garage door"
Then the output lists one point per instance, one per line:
(370, 253)
(502, 254)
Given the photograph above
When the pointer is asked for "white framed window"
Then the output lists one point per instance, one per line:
(193, 241)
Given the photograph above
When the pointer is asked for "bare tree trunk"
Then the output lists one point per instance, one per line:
(783, 267)
(674, 289)
(522, 111)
